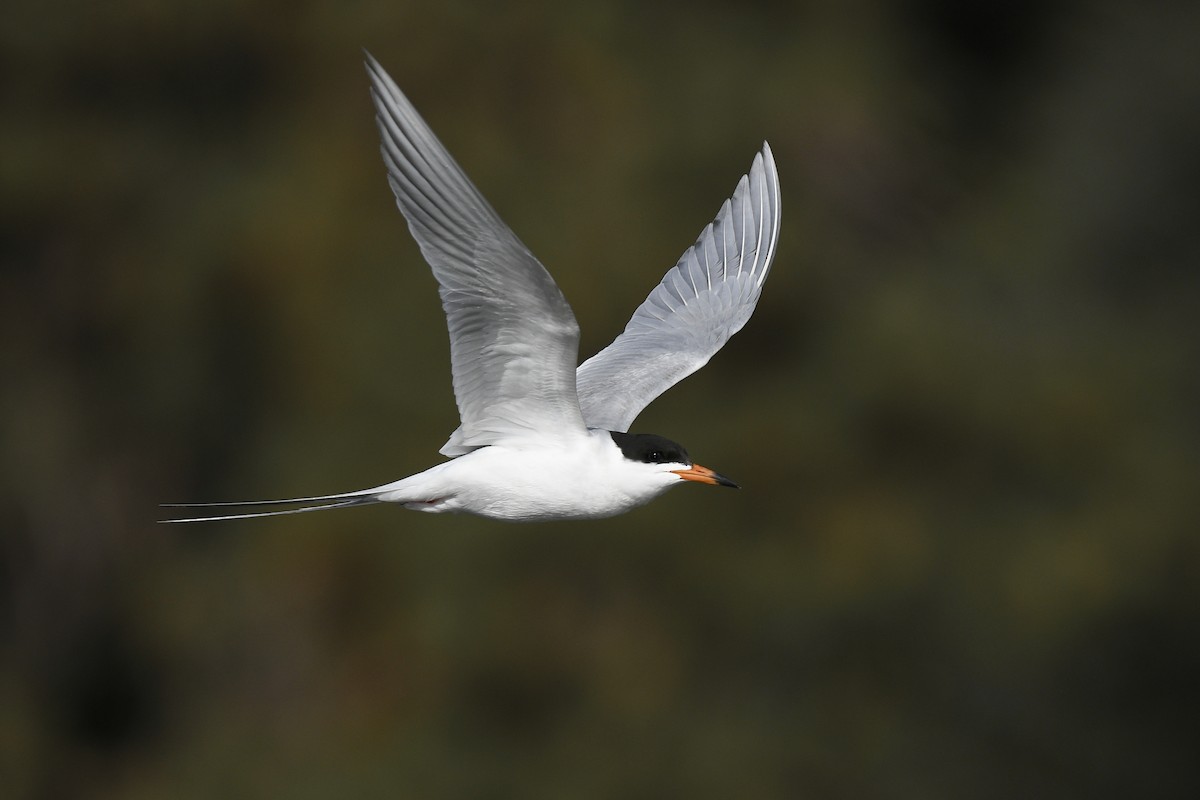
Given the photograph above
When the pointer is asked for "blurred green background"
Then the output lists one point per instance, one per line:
(964, 563)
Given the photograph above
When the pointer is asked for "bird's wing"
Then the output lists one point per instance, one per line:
(513, 339)
(706, 298)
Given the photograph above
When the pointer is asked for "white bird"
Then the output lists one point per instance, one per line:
(539, 438)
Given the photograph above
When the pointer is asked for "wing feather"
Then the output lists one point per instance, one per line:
(706, 298)
(513, 339)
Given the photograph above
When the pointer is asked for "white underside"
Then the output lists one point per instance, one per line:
(582, 478)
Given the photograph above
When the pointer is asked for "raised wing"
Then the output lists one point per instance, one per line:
(706, 298)
(513, 339)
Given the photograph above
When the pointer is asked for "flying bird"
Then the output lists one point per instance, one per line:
(542, 439)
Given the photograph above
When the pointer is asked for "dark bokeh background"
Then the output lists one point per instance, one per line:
(964, 563)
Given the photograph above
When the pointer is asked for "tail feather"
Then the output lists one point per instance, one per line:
(338, 501)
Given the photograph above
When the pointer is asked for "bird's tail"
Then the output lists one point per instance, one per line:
(304, 505)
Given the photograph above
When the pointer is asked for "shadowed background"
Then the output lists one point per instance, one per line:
(964, 561)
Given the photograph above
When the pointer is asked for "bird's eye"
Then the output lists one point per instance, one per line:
(655, 456)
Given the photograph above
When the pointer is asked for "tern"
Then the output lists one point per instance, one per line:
(542, 439)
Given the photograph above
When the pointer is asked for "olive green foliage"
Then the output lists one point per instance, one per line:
(964, 560)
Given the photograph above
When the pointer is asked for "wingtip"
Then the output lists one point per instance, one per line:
(380, 80)
(767, 156)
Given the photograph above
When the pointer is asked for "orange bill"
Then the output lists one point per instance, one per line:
(704, 475)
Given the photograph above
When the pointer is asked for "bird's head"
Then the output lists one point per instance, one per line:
(665, 458)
